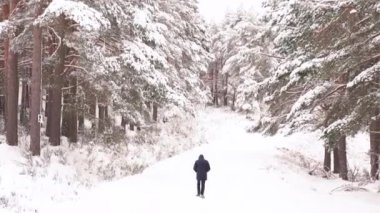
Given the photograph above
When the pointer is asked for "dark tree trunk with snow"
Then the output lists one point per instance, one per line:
(35, 104)
(70, 113)
(102, 118)
(56, 99)
(155, 111)
(375, 148)
(336, 160)
(215, 86)
(225, 98)
(81, 112)
(5, 9)
(123, 123)
(343, 172)
(91, 102)
(2, 104)
(12, 88)
(233, 100)
(48, 113)
(24, 103)
(327, 160)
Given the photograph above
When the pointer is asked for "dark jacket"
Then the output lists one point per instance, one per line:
(201, 167)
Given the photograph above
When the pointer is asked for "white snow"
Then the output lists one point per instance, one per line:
(142, 18)
(88, 18)
(365, 76)
(308, 98)
(249, 173)
(4, 25)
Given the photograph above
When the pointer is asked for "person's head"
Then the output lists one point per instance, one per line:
(201, 157)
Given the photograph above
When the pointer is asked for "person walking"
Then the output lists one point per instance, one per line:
(201, 167)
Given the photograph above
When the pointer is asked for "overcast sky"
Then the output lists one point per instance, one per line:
(214, 10)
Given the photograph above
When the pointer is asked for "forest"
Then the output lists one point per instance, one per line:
(93, 70)
(305, 66)
(68, 63)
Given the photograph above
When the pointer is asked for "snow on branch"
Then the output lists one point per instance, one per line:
(144, 60)
(4, 25)
(367, 75)
(308, 98)
(141, 18)
(86, 17)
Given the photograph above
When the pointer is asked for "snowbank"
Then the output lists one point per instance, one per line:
(62, 173)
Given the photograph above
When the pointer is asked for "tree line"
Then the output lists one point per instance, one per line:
(311, 65)
(81, 60)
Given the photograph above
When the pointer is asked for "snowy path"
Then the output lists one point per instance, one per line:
(245, 176)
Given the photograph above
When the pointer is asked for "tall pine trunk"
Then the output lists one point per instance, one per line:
(70, 113)
(225, 101)
(215, 86)
(155, 111)
(56, 99)
(12, 89)
(81, 112)
(327, 160)
(375, 147)
(24, 103)
(336, 160)
(233, 101)
(102, 118)
(343, 172)
(35, 108)
(48, 109)
(5, 9)
(124, 123)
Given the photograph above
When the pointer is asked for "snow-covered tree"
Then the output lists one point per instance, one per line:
(129, 56)
(241, 56)
(328, 77)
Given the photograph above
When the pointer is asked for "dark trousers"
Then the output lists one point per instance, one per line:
(201, 186)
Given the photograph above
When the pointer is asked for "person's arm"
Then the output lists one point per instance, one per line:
(195, 167)
(208, 167)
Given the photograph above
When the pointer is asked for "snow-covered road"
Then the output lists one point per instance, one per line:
(245, 176)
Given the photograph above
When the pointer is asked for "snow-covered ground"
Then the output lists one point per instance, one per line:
(249, 173)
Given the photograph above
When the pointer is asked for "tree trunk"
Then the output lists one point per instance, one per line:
(56, 104)
(226, 92)
(6, 58)
(2, 105)
(123, 123)
(155, 111)
(73, 133)
(12, 89)
(336, 161)
(131, 127)
(24, 103)
(233, 100)
(66, 105)
(48, 113)
(70, 113)
(102, 118)
(215, 78)
(343, 172)
(374, 138)
(35, 108)
(81, 114)
(327, 160)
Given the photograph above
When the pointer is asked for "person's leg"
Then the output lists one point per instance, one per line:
(203, 187)
(198, 187)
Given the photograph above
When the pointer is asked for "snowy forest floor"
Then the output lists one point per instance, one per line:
(249, 173)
